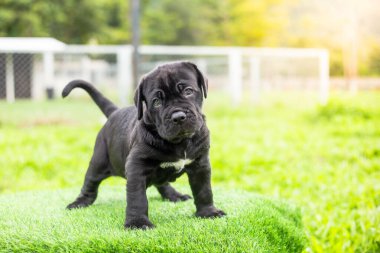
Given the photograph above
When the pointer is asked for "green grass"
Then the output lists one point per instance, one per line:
(37, 222)
(325, 159)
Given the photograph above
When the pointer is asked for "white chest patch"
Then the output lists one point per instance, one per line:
(178, 165)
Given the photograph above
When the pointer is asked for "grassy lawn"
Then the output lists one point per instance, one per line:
(254, 224)
(324, 159)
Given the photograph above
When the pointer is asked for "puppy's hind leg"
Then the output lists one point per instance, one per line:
(98, 170)
(169, 193)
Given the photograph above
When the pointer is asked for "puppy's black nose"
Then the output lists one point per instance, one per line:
(178, 117)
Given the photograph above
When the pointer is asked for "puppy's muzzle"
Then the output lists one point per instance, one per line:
(178, 117)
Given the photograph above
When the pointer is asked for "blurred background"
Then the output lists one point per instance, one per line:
(293, 106)
(347, 29)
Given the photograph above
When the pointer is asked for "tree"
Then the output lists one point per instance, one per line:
(116, 27)
(22, 18)
(170, 22)
(254, 23)
(68, 20)
(196, 22)
(212, 22)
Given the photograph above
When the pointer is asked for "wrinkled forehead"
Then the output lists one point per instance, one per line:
(167, 76)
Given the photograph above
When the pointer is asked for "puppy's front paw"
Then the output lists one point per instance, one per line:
(210, 212)
(139, 223)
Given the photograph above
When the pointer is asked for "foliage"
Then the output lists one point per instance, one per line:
(289, 23)
(171, 22)
(210, 22)
(261, 22)
(254, 223)
(116, 23)
(325, 159)
(70, 21)
(21, 18)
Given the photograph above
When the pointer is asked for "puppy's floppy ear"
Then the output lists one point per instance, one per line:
(139, 99)
(201, 79)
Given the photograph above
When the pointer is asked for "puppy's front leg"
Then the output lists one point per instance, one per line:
(137, 202)
(199, 173)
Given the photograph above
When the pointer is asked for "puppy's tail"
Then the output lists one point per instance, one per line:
(103, 103)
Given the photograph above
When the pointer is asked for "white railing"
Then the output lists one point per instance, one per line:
(245, 65)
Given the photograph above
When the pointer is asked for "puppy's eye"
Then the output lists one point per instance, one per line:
(188, 91)
(156, 102)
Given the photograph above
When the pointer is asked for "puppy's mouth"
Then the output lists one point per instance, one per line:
(176, 133)
(181, 136)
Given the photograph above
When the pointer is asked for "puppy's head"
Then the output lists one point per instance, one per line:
(169, 98)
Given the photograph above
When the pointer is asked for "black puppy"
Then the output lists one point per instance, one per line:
(154, 143)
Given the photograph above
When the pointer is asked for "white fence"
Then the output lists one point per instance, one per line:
(232, 69)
